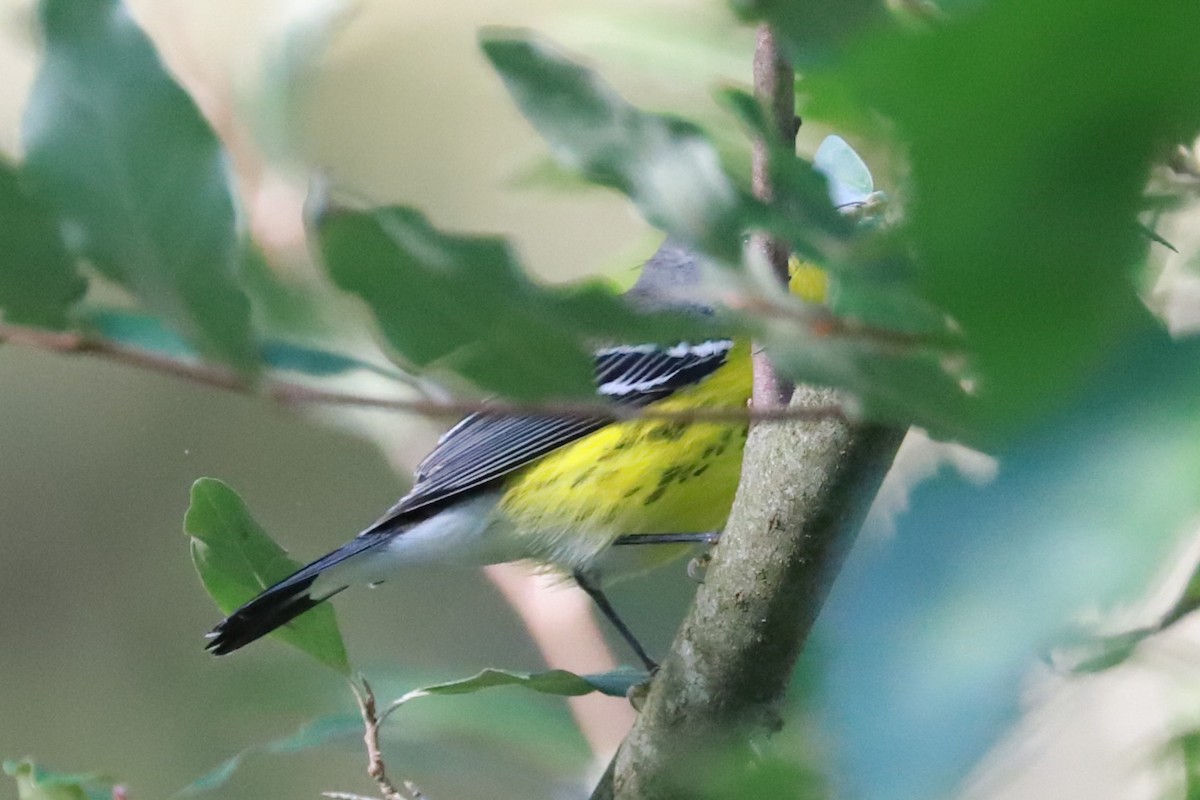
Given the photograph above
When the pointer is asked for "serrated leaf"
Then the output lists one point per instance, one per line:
(464, 302)
(236, 560)
(38, 278)
(125, 156)
(36, 783)
(666, 165)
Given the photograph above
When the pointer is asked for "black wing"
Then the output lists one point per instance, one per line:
(484, 447)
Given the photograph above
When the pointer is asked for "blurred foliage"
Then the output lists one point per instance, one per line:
(1028, 163)
(464, 302)
(36, 783)
(136, 174)
(990, 297)
(38, 280)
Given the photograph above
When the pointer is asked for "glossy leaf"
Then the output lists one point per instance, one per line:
(128, 161)
(38, 279)
(236, 560)
(464, 303)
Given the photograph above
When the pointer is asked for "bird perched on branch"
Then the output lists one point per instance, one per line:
(575, 494)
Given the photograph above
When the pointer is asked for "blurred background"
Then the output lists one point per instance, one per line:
(102, 663)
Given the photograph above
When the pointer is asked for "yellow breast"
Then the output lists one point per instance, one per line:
(648, 476)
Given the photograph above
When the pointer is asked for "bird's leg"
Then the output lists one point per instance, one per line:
(610, 614)
(708, 537)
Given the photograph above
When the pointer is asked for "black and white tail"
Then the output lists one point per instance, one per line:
(286, 600)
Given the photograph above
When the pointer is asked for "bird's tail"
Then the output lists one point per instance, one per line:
(286, 600)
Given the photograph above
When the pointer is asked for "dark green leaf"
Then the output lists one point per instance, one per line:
(666, 165)
(237, 560)
(131, 165)
(38, 279)
(464, 302)
(36, 783)
(813, 33)
(1024, 217)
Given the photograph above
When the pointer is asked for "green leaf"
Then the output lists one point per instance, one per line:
(38, 279)
(1189, 748)
(236, 560)
(125, 156)
(666, 165)
(1023, 222)
(556, 682)
(813, 33)
(849, 178)
(36, 783)
(465, 303)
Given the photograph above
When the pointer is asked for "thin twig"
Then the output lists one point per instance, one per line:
(289, 394)
(773, 81)
(375, 766)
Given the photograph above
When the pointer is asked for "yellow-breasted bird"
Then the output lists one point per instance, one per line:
(554, 491)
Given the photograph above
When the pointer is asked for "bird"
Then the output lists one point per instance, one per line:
(595, 499)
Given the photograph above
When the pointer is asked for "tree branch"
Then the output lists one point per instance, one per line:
(365, 698)
(805, 490)
(293, 394)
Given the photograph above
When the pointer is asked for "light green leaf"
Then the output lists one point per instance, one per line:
(465, 303)
(125, 156)
(36, 783)
(236, 560)
(849, 178)
(555, 681)
(320, 731)
(38, 279)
